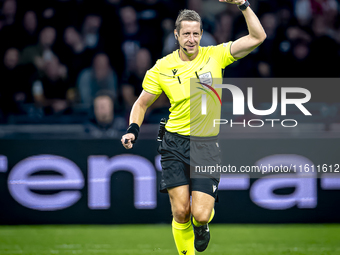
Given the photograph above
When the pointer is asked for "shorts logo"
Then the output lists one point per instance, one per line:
(214, 188)
(184, 252)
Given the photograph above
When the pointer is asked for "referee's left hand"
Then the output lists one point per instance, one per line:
(238, 2)
(127, 140)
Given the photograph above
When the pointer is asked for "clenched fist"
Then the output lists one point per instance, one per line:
(127, 140)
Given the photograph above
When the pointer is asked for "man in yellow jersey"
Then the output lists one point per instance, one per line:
(172, 74)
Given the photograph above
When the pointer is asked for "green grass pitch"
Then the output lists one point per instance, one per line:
(157, 239)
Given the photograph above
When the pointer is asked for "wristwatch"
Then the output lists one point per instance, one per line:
(244, 6)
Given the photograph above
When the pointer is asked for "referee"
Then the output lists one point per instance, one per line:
(181, 146)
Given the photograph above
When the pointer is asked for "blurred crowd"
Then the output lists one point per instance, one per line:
(76, 61)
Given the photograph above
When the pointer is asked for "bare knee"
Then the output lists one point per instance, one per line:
(180, 203)
(202, 217)
(181, 213)
(202, 206)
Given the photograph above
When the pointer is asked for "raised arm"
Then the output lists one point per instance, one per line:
(137, 115)
(246, 44)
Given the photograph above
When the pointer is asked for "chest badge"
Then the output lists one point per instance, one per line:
(174, 71)
(206, 82)
(206, 78)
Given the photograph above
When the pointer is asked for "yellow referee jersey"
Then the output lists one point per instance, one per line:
(184, 82)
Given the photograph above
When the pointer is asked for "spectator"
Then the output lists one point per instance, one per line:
(300, 59)
(15, 84)
(223, 28)
(29, 30)
(134, 38)
(133, 87)
(41, 52)
(269, 22)
(113, 40)
(103, 122)
(90, 31)
(305, 10)
(52, 91)
(9, 10)
(77, 56)
(58, 13)
(131, 40)
(98, 77)
(150, 15)
(289, 55)
(9, 27)
(267, 50)
(168, 27)
(323, 39)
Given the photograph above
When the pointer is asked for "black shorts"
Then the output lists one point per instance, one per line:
(180, 156)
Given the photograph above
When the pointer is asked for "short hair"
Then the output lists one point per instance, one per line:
(105, 93)
(187, 15)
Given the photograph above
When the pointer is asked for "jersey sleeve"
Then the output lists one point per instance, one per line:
(151, 81)
(223, 55)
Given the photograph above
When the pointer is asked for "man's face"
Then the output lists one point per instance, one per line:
(190, 37)
(103, 109)
(101, 66)
(47, 36)
(11, 58)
